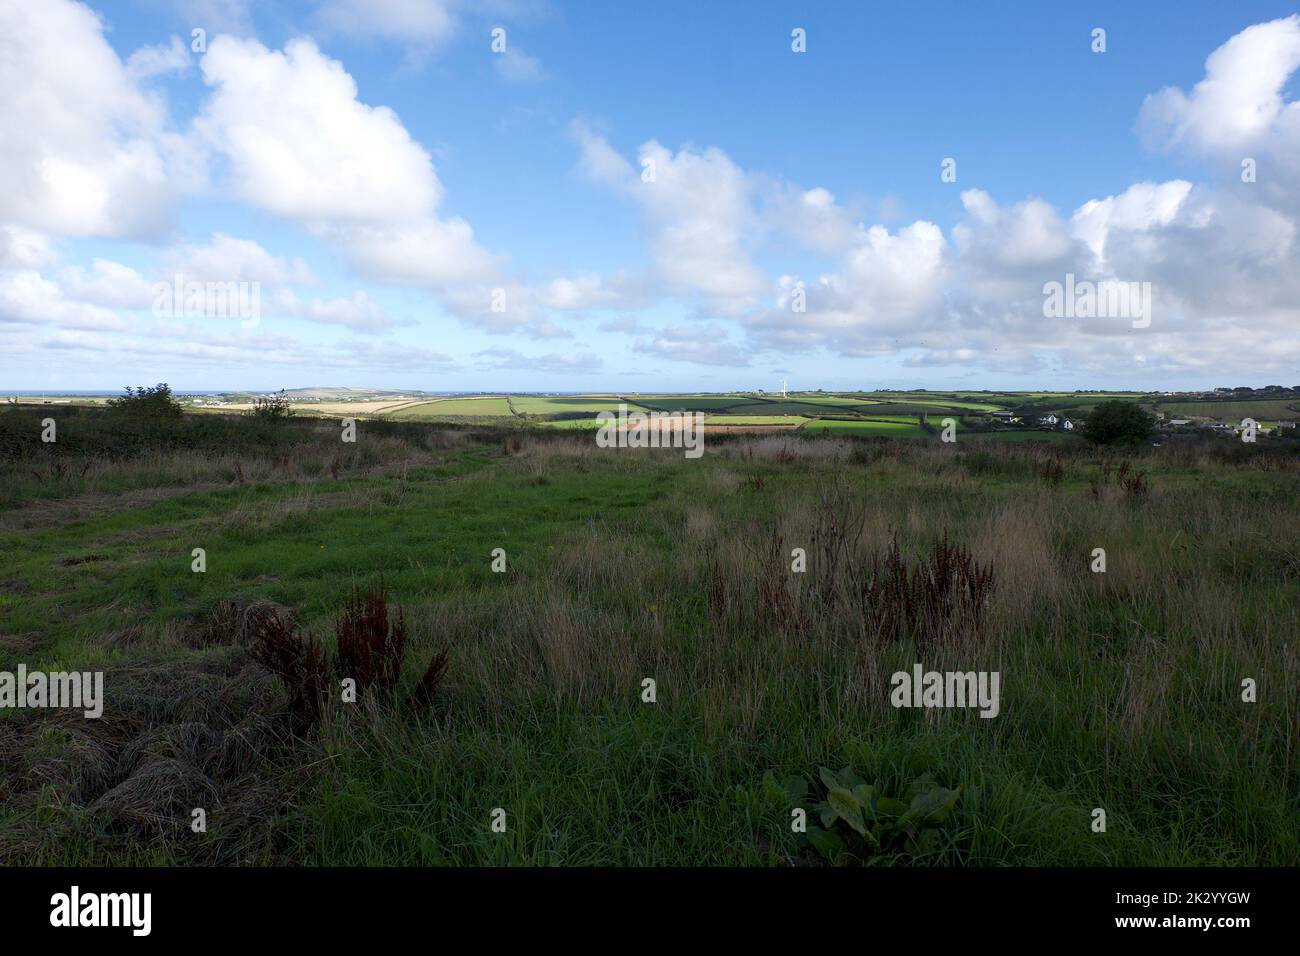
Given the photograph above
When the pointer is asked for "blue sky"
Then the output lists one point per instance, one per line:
(421, 211)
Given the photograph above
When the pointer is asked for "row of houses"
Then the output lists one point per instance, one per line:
(1218, 428)
(1045, 421)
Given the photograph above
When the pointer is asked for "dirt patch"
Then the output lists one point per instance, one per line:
(19, 644)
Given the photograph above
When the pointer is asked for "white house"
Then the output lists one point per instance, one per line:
(1049, 420)
(1068, 425)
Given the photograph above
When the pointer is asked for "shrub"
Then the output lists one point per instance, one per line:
(1118, 423)
(272, 408)
(147, 403)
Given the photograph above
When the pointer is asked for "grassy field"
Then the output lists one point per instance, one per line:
(454, 408)
(571, 423)
(346, 409)
(1121, 690)
(755, 420)
(1234, 411)
(529, 405)
(828, 400)
(694, 403)
(902, 428)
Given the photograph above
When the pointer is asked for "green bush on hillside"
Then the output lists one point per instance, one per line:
(154, 403)
(1118, 423)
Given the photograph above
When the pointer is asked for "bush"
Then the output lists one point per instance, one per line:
(154, 403)
(1118, 423)
(273, 407)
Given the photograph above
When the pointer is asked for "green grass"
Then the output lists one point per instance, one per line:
(903, 428)
(836, 400)
(1120, 690)
(693, 403)
(755, 420)
(944, 401)
(453, 408)
(529, 405)
(1286, 409)
(574, 423)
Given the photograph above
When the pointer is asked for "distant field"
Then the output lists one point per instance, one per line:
(892, 429)
(970, 406)
(1283, 408)
(343, 408)
(712, 421)
(559, 405)
(1090, 396)
(60, 399)
(793, 407)
(910, 408)
(574, 423)
(694, 403)
(827, 400)
(455, 408)
(381, 407)
(941, 401)
(755, 420)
